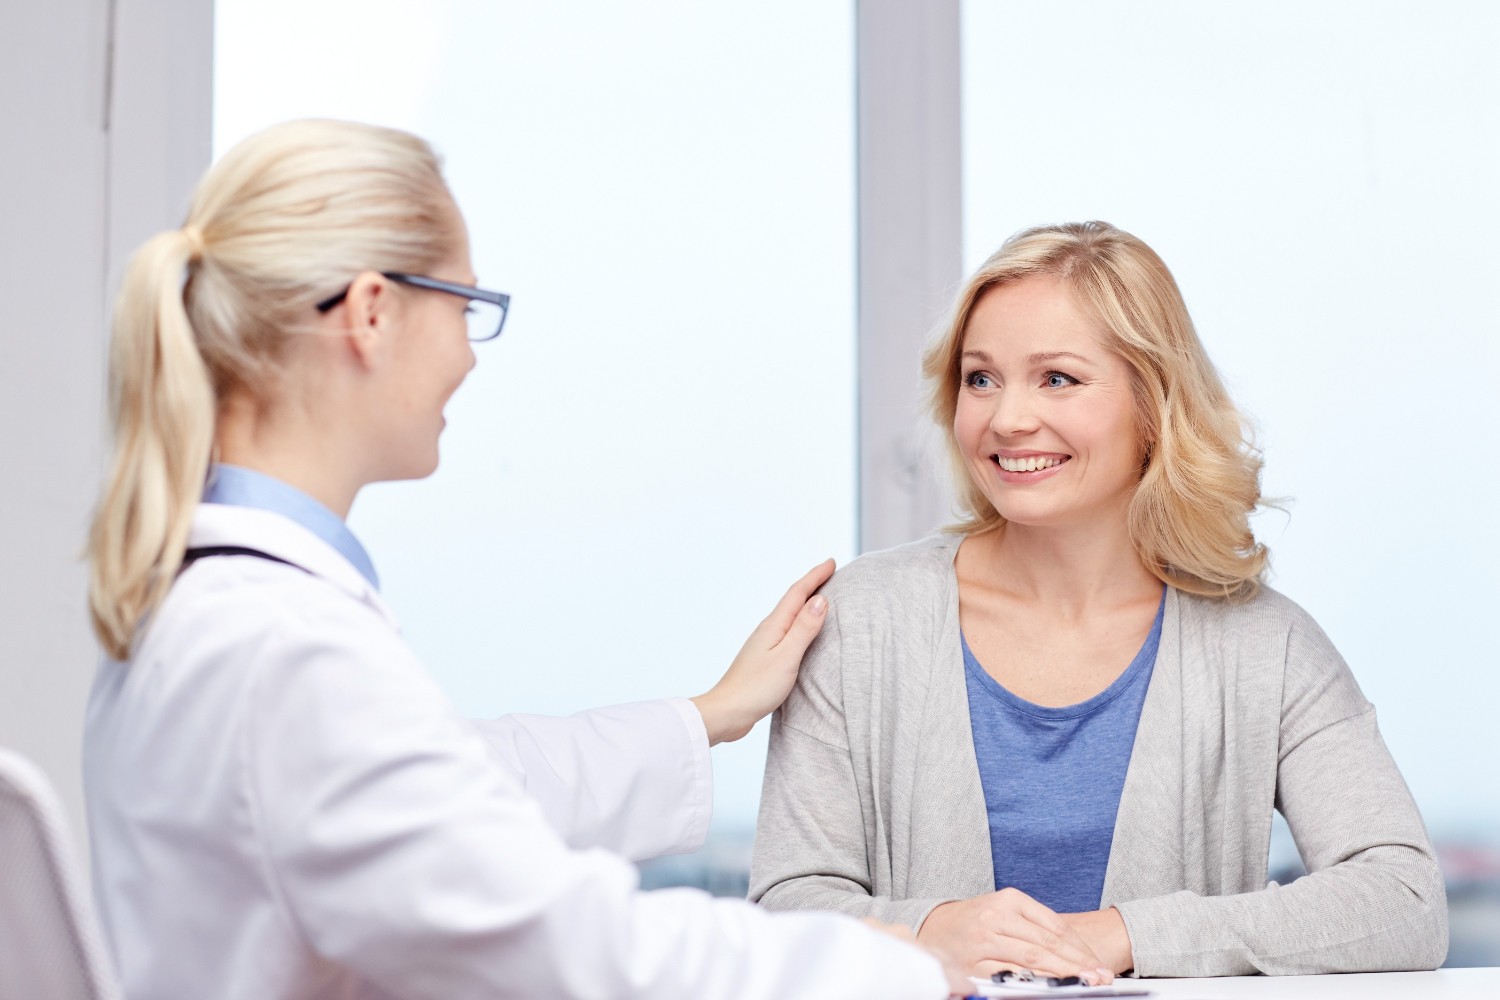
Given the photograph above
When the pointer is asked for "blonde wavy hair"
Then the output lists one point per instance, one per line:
(1190, 514)
(284, 220)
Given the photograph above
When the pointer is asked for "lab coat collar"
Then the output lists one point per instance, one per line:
(280, 536)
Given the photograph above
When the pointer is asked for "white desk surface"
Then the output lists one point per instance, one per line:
(1444, 984)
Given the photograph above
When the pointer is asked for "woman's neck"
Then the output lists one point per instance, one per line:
(251, 437)
(1073, 570)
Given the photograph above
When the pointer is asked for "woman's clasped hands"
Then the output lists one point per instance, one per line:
(1010, 930)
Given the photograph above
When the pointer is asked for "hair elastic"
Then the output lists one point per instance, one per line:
(195, 242)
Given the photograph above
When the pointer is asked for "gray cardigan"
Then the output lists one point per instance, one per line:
(872, 802)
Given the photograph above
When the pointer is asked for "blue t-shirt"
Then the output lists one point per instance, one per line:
(1052, 779)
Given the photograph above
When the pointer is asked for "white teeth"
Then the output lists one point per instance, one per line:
(1033, 464)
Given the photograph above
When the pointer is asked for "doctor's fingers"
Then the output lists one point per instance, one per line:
(900, 931)
(958, 979)
(795, 615)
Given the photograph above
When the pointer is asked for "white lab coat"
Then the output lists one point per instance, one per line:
(282, 804)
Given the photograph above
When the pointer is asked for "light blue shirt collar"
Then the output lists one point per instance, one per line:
(241, 487)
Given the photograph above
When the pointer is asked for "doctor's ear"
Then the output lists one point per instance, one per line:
(369, 315)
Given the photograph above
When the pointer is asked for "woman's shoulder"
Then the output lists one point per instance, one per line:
(1273, 629)
(915, 571)
(1265, 611)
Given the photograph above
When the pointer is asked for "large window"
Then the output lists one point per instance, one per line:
(1320, 178)
(663, 439)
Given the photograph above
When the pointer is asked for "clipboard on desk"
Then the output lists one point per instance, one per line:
(1042, 988)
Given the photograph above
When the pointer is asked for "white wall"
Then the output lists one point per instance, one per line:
(98, 155)
(1321, 179)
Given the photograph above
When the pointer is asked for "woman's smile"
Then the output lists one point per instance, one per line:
(1028, 467)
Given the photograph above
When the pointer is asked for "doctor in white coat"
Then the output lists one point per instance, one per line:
(282, 803)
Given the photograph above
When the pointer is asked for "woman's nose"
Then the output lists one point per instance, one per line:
(1015, 413)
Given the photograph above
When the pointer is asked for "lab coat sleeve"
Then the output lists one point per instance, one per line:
(632, 778)
(399, 849)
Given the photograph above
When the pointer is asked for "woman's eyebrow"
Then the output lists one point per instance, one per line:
(1039, 358)
(1042, 357)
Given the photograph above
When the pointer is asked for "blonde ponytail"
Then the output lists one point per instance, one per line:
(162, 405)
(285, 219)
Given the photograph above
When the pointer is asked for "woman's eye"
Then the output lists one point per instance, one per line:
(1058, 380)
(978, 380)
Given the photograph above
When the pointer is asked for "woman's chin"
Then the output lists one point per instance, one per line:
(413, 467)
(1035, 515)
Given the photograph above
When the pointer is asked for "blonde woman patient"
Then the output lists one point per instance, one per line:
(282, 804)
(1053, 738)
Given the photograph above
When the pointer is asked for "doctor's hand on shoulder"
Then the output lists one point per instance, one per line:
(763, 673)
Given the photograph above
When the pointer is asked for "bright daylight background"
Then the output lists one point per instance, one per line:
(1321, 178)
(664, 437)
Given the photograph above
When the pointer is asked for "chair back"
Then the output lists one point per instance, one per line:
(49, 946)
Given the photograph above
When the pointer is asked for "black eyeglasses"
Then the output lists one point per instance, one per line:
(486, 312)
